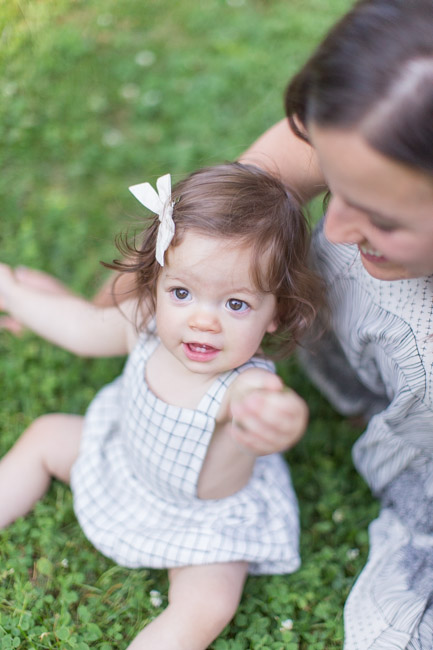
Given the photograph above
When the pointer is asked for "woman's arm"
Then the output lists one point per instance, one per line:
(280, 152)
(68, 320)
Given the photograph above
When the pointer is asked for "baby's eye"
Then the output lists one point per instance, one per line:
(181, 294)
(234, 304)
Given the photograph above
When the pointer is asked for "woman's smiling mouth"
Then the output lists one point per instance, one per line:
(371, 254)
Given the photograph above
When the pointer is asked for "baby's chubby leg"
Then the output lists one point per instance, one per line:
(202, 600)
(47, 449)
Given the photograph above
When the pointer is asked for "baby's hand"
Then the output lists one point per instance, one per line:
(267, 416)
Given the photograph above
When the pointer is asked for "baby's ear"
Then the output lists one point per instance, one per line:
(272, 327)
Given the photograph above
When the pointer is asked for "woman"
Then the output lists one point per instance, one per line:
(361, 125)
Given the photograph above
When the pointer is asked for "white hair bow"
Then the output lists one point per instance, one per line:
(161, 204)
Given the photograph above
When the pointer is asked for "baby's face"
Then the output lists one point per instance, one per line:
(209, 314)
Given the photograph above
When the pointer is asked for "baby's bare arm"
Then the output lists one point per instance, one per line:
(259, 416)
(66, 319)
(227, 467)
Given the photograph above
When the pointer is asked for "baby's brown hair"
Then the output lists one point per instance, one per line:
(244, 204)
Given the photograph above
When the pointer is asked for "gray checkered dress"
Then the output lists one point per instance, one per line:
(135, 482)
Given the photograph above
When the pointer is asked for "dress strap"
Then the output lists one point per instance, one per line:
(211, 401)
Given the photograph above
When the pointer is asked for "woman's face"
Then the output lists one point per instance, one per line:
(383, 206)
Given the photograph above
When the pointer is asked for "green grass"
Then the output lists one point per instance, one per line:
(96, 96)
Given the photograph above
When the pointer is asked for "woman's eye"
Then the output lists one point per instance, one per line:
(237, 305)
(383, 227)
(181, 294)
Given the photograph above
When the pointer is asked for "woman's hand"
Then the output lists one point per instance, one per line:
(7, 285)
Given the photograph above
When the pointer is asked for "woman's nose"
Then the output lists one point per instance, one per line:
(343, 224)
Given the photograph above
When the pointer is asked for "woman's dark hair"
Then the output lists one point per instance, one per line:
(245, 206)
(373, 72)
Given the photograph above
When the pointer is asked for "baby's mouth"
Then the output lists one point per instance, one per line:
(200, 347)
(200, 351)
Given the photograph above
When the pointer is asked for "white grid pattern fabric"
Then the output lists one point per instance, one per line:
(378, 361)
(135, 482)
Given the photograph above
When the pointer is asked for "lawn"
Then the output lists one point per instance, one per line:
(96, 96)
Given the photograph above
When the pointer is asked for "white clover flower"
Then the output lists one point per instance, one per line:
(130, 91)
(286, 625)
(97, 103)
(155, 598)
(6, 573)
(146, 58)
(112, 138)
(10, 88)
(352, 553)
(65, 562)
(338, 516)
